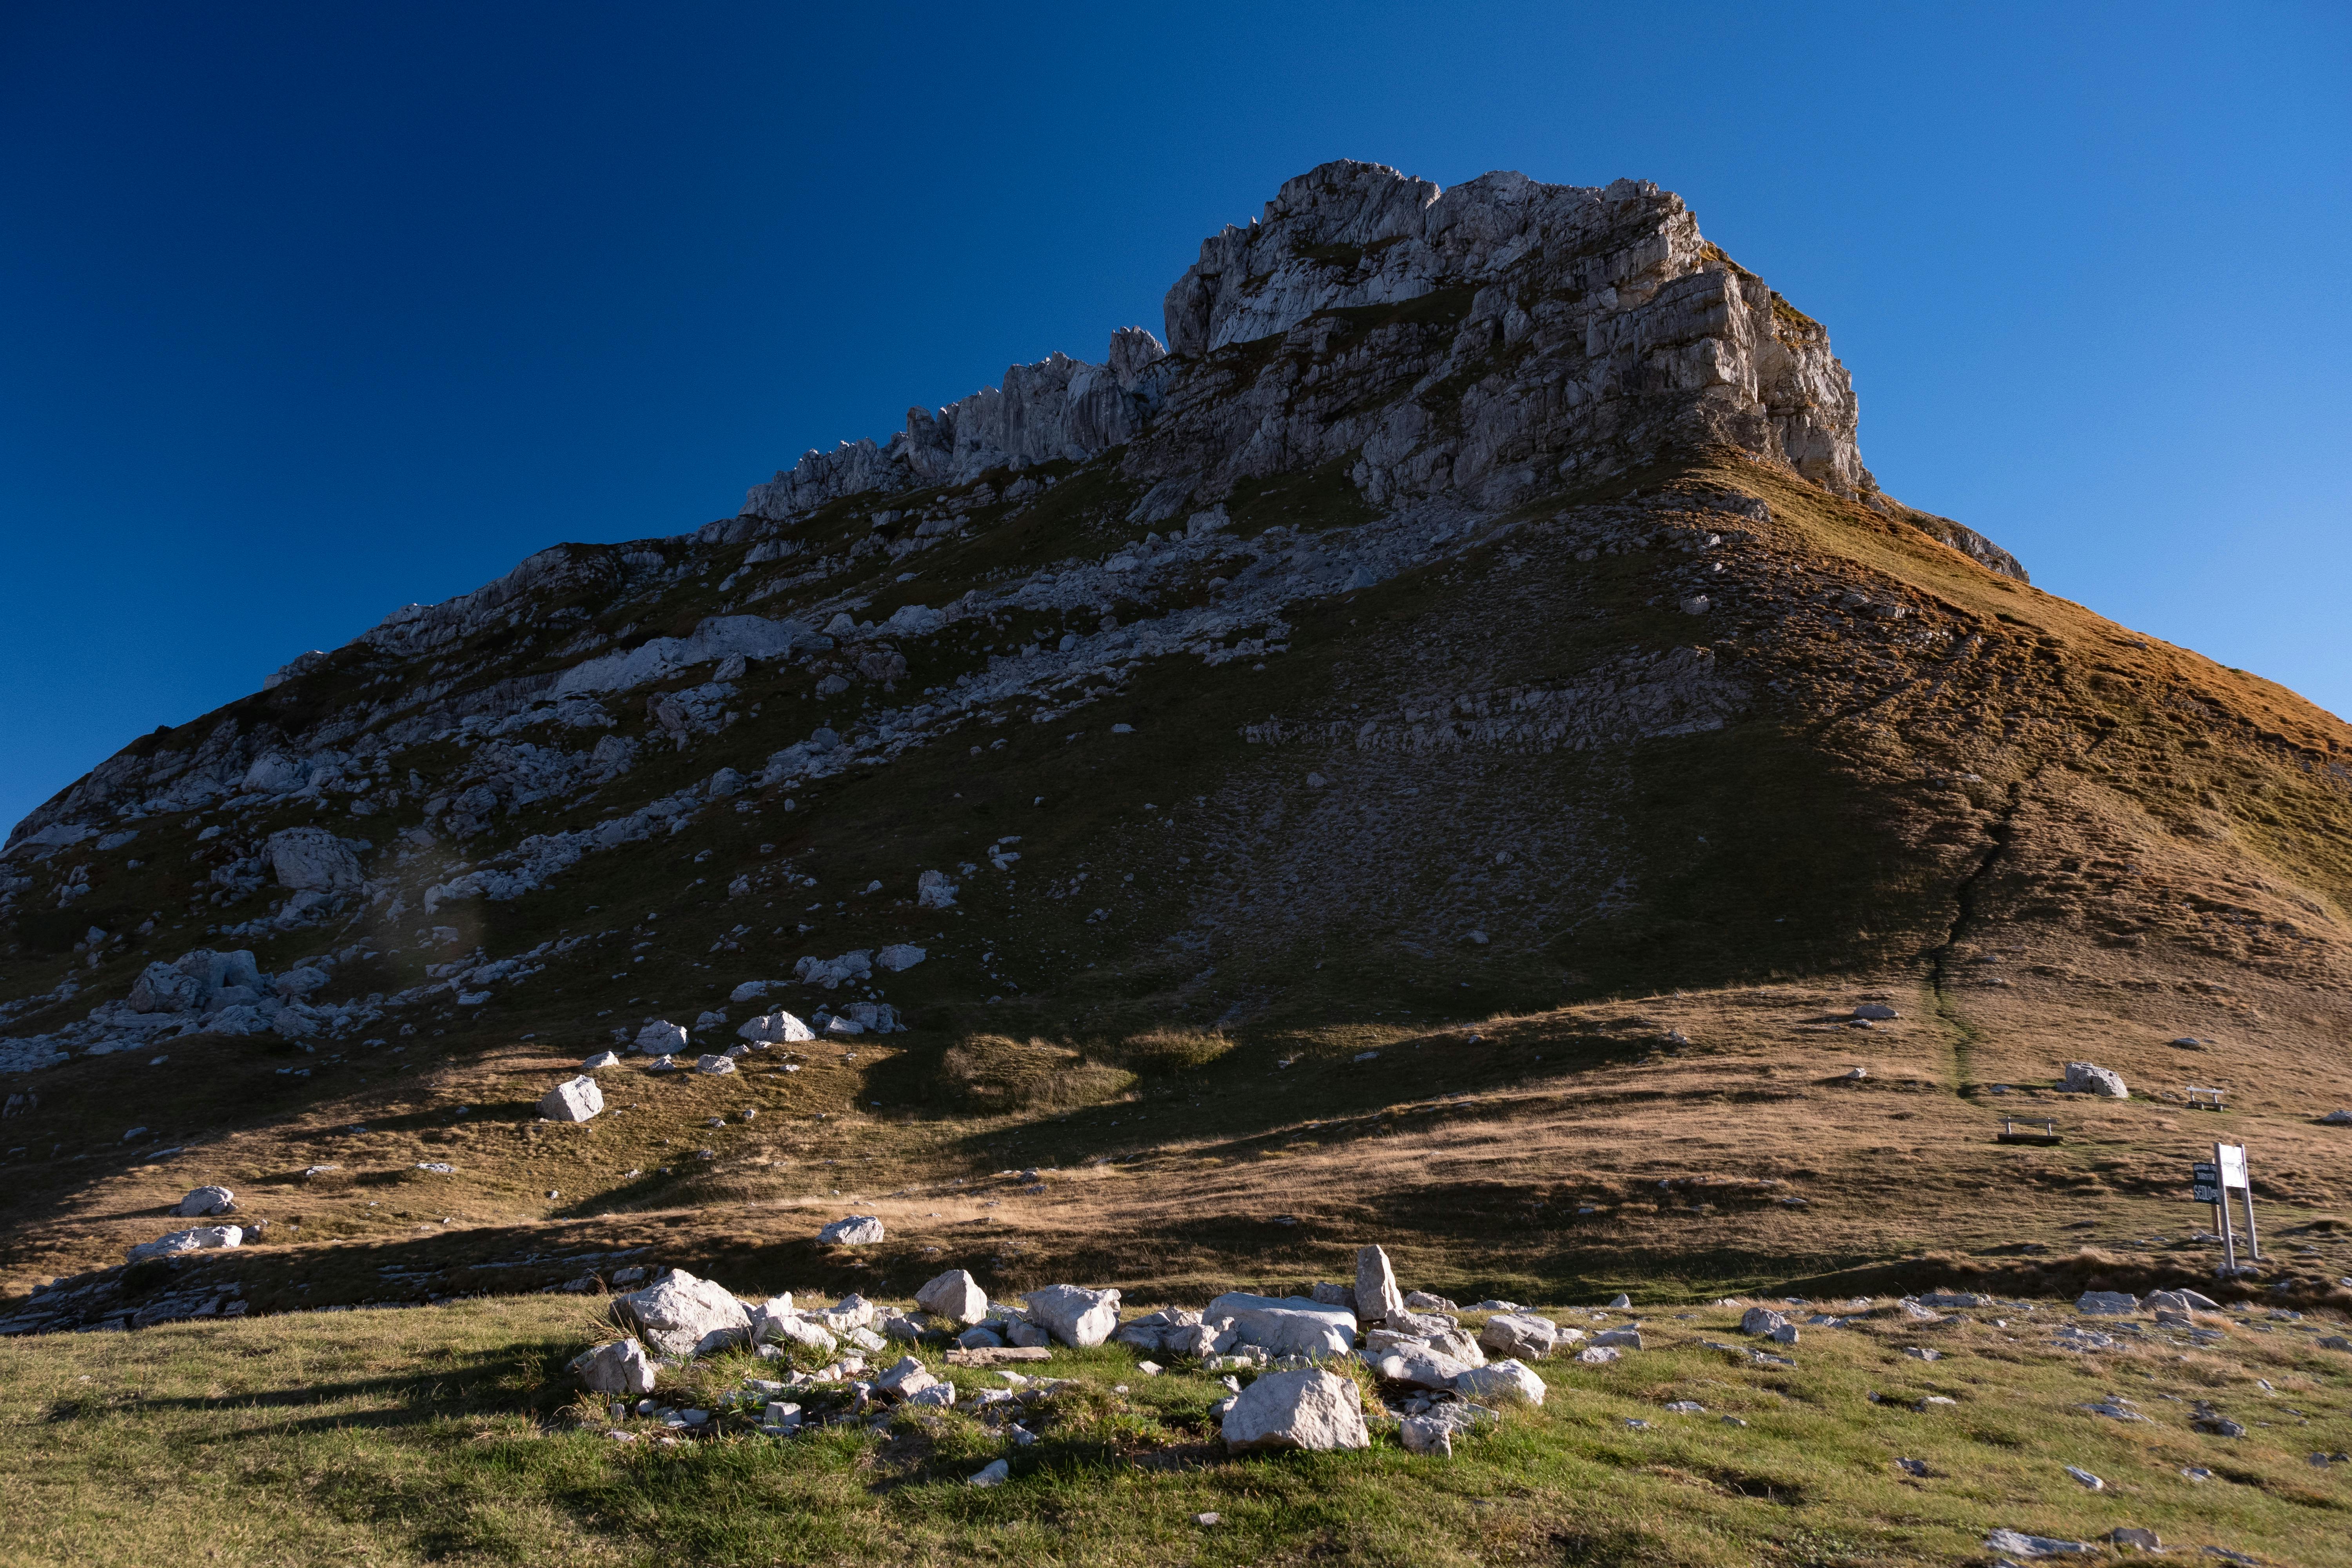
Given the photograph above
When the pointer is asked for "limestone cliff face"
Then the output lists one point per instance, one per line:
(1566, 329)
(1487, 339)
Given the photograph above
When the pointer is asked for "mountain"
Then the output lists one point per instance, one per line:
(1477, 610)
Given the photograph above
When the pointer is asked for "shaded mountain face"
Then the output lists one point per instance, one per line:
(1481, 602)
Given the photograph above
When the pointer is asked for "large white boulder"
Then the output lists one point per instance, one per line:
(1305, 1409)
(202, 1238)
(313, 859)
(620, 1367)
(680, 1316)
(1520, 1334)
(749, 991)
(1376, 1286)
(899, 955)
(661, 1038)
(1503, 1380)
(1287, 1325)
(2084, 1077)
(776, 1029)
(934, 891)
(1417, 1366)
(717, 1066)
(206, 1201)
(857, 1230)
(575, 1099)
(601, 1060)
(1074, 1315)
(955, 1295)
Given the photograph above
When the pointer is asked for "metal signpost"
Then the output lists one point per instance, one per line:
(2212, 1182)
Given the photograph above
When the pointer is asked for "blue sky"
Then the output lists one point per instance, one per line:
(313, 311)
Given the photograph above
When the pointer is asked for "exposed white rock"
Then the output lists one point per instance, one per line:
(575, 1099)
(1285, 1325)
(680, 1316)
(202, 1238)
(1377, 1295)
(619, 1367)
(1305, 1409)
(1074, 1315)
(718, 1066)
(601, 1060)
(830, 972)
(857, 1230)
(899, 955)
(1520, 1334)
(955, 1295)
(1503, 1380)
(934, 891)
(313, 859)
(661, 1038)
(2083, 1077)
(776, 1029)
(206, 1201)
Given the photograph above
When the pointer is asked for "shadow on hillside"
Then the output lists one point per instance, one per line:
(498, 1381)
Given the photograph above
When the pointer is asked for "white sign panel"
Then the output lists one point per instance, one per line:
(2233, 1166)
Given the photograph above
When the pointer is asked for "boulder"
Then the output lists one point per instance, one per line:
(955, 1295)
(1952, 1299)
(680, 1316)
(899, 955)
(1306, 1409)
(576, 1100)
(620, 1367)
(2017, 1544)
(1598, 1355)
(2110, 1303)
(601, 1060)
(1287, 1325)
(1171, 1331)
(715, 1065)
(1420, 1435)
(1519, 1334)
(1073, 1315)
(202, 1238)
(2083, 1077)
(1504, 1379)
(311, 859)
(776, 1029)
(1331, 1294)
(1417, 1366)
(751, 991)
(661, 1038)
(1625, 1339)
(1876, 1012)
(163, 988)
(791, 1328)
(1423, 1301)
(906, 1380)
(934, 891)
(206, 1201)
(1761, 1320)
(2336, 1119)
(856, 1230)
(1376, 1286)
(980, 1336)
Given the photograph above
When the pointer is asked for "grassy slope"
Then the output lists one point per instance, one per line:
(2137, 848)
(445, 1434)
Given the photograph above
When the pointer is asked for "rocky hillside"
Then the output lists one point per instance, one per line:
(1479, 603)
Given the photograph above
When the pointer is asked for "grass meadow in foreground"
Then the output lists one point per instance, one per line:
(454, 1435)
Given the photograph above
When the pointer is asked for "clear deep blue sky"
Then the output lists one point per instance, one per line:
(315, 310)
